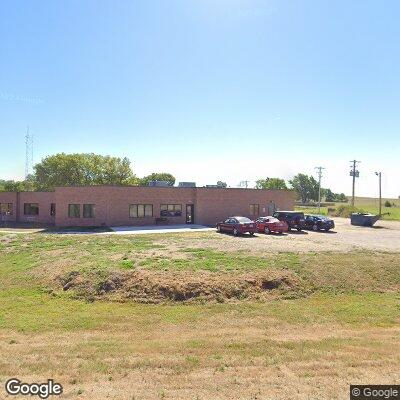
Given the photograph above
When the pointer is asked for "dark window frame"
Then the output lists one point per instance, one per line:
(9, 207)
(92, 208)
(145, 207)
(28, 210)
(78, 208)
(53, 209)
(170, 210)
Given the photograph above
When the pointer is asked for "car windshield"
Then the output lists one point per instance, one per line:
(243, 219)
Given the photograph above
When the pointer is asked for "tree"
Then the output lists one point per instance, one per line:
(341, 197)
(82, 169)
(329, 195)
(306, 187)
(158, 176)
(271, 183)
(221, 184)
(27, 185)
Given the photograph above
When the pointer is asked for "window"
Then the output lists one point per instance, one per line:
(171, 210)
(74, 210)
(6, 208)
(140, 210)
(31, 208)
(254, 209)
(88, 211)
(52, 209)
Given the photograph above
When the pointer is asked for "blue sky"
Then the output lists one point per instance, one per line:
(206, 89)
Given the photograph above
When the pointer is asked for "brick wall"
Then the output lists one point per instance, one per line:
(112, 204)
(9, 197)
(43, 199)
(215, 205)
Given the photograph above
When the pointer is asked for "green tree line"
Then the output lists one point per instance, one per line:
(305, 186)
(81, 169)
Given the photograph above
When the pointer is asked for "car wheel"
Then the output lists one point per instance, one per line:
(298, 229)
(266, 230)
(251, 233)
(235, 232)
(315, 228)
(327, 229)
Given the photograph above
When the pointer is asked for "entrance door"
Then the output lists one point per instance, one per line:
(271, 208)
(190, 213)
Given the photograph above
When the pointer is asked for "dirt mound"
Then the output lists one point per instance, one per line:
(183, 286)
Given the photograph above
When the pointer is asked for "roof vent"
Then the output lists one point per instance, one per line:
(158, 183)
(187, 184)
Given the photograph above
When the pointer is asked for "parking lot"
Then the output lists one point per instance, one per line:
(385, 236)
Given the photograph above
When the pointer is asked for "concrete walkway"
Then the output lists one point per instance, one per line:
(139, 230)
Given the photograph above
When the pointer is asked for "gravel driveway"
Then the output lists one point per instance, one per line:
(385, 236)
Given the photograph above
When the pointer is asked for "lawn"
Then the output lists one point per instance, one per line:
(335, 322)
(363, 204)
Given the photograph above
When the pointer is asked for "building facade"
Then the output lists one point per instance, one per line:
(137, 205)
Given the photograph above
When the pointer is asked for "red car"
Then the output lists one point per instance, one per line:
(271, 224)
(237, 226)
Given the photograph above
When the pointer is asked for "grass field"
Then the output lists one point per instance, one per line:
(364, 204)
(335, 321)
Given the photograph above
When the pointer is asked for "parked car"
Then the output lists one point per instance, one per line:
(237, 226)
(319, 222)
(294, 219)
(271, 224)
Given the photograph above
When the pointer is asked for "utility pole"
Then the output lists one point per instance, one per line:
(355, 174)
(319, 169)
(379, 174)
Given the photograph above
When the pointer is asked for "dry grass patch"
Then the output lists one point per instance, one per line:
(340, 326)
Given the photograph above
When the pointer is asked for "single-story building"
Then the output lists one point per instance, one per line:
(139, 205)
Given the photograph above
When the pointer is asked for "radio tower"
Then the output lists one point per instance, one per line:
(28, 153)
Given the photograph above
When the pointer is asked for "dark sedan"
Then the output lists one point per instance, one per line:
(319, 222)
(237, 226)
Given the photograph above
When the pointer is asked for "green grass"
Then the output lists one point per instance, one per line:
(33, 310)
(218, 261)
(312, 210)
(347, 320)
(95, 257)
(363, 204)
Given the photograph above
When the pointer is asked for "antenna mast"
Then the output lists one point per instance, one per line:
(28, 153)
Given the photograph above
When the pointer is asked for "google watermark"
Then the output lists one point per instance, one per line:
(374, 392)
(15, 387)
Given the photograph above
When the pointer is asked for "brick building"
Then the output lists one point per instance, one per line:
(137, 205)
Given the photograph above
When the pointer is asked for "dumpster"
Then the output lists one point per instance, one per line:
(363, 219)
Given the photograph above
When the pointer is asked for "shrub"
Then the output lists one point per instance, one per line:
(388, 203)
(345, 211)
